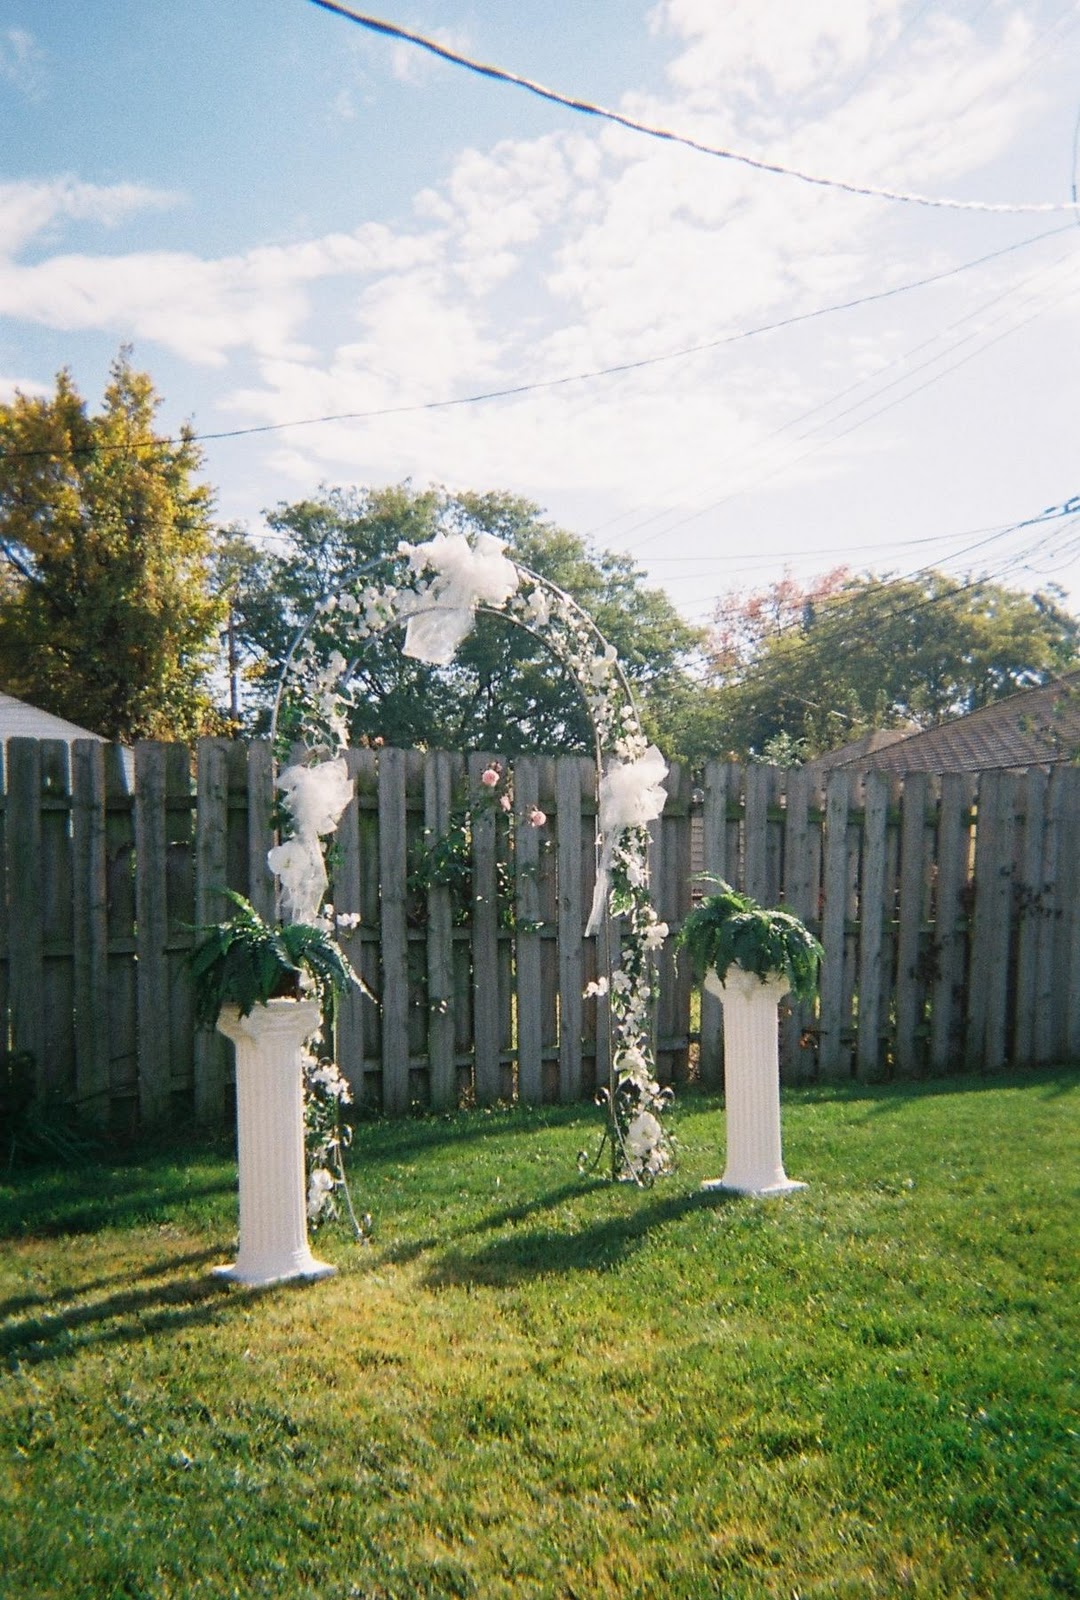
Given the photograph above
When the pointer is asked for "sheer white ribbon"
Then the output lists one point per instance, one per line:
(315, 797)
(632, 795)
(466, 575)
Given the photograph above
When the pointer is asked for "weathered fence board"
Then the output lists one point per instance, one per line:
(571, 926)
(833, 1056)
(716, 868)
(872, 912)
(913, 891)
(953, 864)
(151, 937)
(54, 890)
(120, 868)
(211, 869)
(90, 930)
(1027, 912)
(394, 987)
(442, 1065)
(528, 989)
(484, 922)
(26, 992)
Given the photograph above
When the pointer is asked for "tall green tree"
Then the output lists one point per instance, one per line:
(107, 615)
(503, 691)
(821, 666)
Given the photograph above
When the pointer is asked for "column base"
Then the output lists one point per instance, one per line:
(717, 1185)
(257, 1276)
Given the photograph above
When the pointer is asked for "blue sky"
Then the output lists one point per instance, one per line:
(289, 217)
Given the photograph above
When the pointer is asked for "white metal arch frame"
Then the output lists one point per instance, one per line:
(437, 613)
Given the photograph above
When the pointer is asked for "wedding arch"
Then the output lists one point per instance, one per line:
(437, 590)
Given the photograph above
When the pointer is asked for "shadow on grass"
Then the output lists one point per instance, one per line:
(403, 1138)
(126, 1316)
(398, 1254)
(74, 1291)
(892, 1096)
(86, 1199)
(543, 1252)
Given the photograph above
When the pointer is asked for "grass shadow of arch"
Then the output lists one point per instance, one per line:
(128, 1316)
(544, 1252)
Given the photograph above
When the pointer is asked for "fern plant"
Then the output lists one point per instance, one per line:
(730, 929)
(246, 961)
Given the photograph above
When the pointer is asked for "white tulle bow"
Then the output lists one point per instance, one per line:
(316, 797)
(632, 795)
(467, 575)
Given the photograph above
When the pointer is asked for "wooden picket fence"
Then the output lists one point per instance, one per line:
(948, 908)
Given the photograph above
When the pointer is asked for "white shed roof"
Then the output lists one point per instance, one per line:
(21, 721)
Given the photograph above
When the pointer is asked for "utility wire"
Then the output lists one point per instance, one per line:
(393, 30)
(841, 394)
(1067, 513)
(835, 549)
(858, 405)
(834, 630)
(567, 378)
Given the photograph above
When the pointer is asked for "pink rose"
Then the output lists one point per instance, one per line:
(489, 777)
(537, 818)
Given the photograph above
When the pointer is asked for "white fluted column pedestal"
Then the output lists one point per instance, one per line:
(270, 1142)
(751, 1083)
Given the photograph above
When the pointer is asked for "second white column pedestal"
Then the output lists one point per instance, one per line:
(270, 1141)
(751, 1083)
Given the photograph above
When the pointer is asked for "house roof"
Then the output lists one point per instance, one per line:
(855, 753)
(1033, 728)
(21, 721)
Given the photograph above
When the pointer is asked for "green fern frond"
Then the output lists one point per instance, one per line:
(731, 929)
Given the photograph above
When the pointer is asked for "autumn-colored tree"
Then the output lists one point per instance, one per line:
(820, 665)
(106, 611)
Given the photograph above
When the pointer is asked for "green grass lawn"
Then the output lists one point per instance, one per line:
(536, 1384)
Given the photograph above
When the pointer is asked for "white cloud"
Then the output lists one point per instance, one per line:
(199, 309)
(760, 47)
(9, 387)
(20, 61)
(27, 208)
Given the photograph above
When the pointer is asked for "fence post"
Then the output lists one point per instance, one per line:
(26, 991)
(211, 846)
(834, 921)
(151, 925)
(568, 791)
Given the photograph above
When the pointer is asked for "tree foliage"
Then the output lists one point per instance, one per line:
(815, 667)
(106, 612)
(504, 690)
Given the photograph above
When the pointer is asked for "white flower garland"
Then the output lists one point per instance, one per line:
(442, 585)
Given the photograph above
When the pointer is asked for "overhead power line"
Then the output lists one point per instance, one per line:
(1064, 515)
(771, 464)
(588, 375)
(834, 629)
(589, 108)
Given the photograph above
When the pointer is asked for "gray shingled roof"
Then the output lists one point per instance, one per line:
(1034, 728)
(858, 751)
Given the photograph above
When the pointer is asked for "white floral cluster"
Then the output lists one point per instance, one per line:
(325, 1092)
(443, 583)
(572, 636)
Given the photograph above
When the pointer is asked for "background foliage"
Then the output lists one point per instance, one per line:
(504, 691)
(107, 615)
